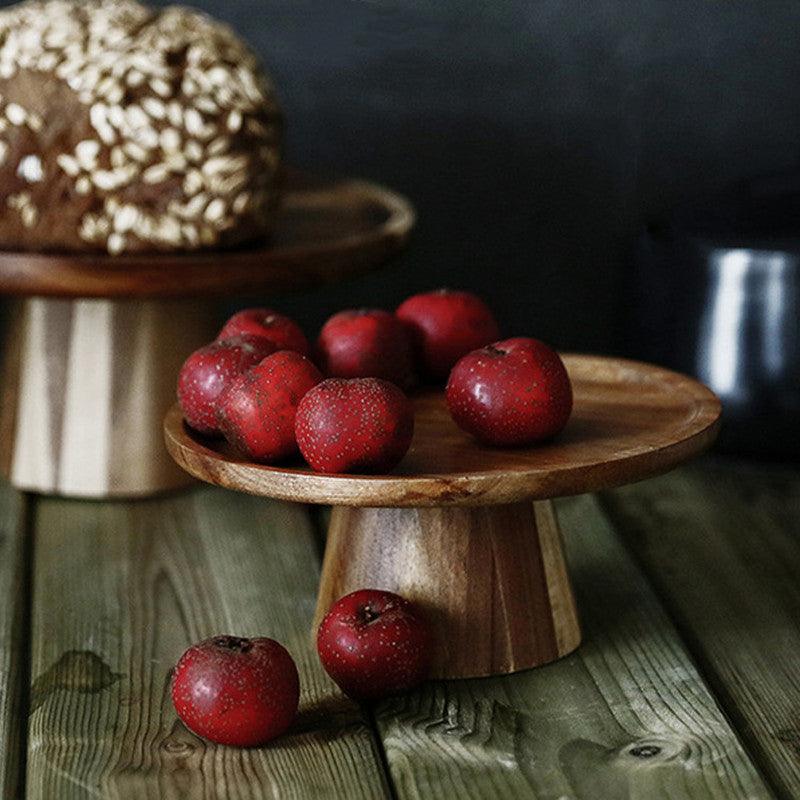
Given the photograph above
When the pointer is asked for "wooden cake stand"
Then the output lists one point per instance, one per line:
(92, 353)
(455, 528)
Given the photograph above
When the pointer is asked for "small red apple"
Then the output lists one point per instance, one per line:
(354, 425)
(446, 325)
(514, 392)
(257, 412)
(236, 691)
(374, 643)
(282, 331)
(209, 371)
(366, 343)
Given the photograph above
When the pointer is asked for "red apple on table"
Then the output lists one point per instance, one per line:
(208, 372)
(374, 643)
(257, 412)
(236, 691)
(514, 392)
(446, 325)
(366, 343)
(354, 425)
(282, 331)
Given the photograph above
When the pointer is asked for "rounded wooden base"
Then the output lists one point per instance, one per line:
(85, 385)
(491, 579)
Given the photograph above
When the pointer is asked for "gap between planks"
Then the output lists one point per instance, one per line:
(16, 543)
(320, 519)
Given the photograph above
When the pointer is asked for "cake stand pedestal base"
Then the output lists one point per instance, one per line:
(491, 579)
(85, 385)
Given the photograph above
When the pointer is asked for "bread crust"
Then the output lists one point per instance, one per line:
(128, 129)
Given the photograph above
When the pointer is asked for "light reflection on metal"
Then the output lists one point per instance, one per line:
(719, 359)
(776, 326)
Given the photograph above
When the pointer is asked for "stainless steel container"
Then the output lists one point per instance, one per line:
(717, 295)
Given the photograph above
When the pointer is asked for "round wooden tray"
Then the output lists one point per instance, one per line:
(454, 528)
(325, 231)
(630, 420)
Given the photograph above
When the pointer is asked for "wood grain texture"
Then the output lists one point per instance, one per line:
(325, 231)
(120, 591)
(86, 384)
(13, 638)
(625, 717)
(491, 581)
(629, 421)
(720, 543)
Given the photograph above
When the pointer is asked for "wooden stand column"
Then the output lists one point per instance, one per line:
(492, 579)
(85, 385)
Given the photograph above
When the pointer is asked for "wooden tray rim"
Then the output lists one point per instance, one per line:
(209, 272)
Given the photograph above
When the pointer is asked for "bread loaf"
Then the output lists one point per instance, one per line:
(130, 129)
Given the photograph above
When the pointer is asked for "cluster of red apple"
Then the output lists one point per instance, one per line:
(245, 692)
(257, 385)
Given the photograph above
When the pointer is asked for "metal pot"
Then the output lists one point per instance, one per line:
(717, 295)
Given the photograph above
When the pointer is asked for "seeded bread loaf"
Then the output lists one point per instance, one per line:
(129, 129)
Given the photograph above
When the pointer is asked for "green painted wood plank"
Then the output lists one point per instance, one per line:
(626, 717)
(13, 642)
(721, 542)
(120, 590)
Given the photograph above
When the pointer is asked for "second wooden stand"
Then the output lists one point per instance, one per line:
(492, 579)
(85, 380)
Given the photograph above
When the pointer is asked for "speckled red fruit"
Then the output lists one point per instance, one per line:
(513, 392)
(368, 343)
(209, 371)
(374, 643)
(447, 325)
(257, 412)
(282, 331)
(236, 691)
(354, 425)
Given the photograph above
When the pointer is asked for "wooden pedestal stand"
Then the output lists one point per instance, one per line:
(469, 532)
(92, 355)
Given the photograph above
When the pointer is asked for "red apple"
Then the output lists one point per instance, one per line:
(374, 643)
(257, 412)
(447, 325)
(368, 343)
(514, 392)
(354, 425)
(283, 332)
(236, 691)
(209, 371)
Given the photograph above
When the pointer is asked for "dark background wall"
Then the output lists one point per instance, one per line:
(533, 135)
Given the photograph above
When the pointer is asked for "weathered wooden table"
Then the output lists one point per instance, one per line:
(687, 684)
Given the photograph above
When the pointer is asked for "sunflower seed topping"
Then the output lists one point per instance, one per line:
(16, 114)
(116, 243)
(30, 169)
